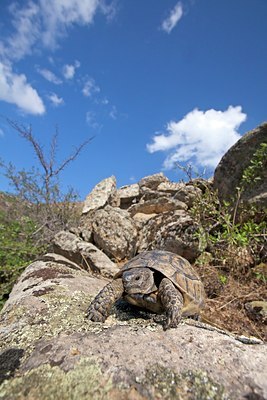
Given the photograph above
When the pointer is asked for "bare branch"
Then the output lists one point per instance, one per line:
(72, 157)
(53, 150)
(26, 133)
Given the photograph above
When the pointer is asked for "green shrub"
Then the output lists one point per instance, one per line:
(17, 249)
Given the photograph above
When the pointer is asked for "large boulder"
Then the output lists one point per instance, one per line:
(114, 232)
(228, 174)
(103, 193)
(174, 231)
(86, 255)
(49, 350)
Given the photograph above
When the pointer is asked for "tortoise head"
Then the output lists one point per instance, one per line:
(139, 280)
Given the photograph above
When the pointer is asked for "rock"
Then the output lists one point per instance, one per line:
(257, 310)
(128, 195)
(152, 181)
(228, 174)
(141, 219)
(49, 350)
(86, 255)
(103, 193)
(149, 194)
(173, 231)
(157, 206)
(201, 183)
(180, 191)
(115, 232)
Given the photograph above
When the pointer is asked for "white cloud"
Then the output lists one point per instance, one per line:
(171, 21)
(91, 120)
(55, 99)
(49, 76)
(105, 101)
(202, 135)
(113, 113)
(44, 22)
(90, 88)
(1, 132)
(69, 69)
(15, 89)
(26, 22)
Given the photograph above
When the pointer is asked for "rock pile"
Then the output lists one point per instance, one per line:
(116, 224)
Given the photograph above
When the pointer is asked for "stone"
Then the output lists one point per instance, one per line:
(152, 181)
(173, 231)
(201, 183)
(86, 255)
(149, 194)
(228, 174)
(44, 334)
(114, 232)
(257, 310)
(141, 219)
(157, 206)
(180, 191)
(128, 195)
(103, 193)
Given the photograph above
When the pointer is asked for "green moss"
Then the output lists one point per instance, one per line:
(85, 381)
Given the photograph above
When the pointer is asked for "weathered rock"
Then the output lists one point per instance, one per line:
(49, 350)
(201, 183)
(180, 191)
(228, 174)
(141, 219)
(157, 206)
(128, 195)
(257, 310)
(115, 232)
(152, 181)
(103, 193)
(172, 231)
(149, 194)
(170, 187)
(86, 255)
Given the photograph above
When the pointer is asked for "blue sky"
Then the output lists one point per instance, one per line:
(155, 82)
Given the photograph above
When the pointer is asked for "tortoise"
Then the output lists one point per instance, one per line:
(157, 280)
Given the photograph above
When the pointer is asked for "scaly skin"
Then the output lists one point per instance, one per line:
(99, 309)
(172, 301)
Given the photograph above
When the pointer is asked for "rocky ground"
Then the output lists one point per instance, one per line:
(49, 350)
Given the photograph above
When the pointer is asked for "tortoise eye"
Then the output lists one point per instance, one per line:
(137, 278)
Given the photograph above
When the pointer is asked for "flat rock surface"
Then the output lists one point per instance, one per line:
(49, 349)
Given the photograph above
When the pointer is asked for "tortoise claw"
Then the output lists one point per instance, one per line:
(95, 316)
(173, 318)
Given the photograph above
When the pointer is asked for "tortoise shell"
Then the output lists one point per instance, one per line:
(175, 268)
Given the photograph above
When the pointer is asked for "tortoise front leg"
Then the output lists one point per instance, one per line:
(99, 309)
(172, 301)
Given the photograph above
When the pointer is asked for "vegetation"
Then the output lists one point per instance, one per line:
(38, 209)
(17, 249)
(227, 228)
(233, 241)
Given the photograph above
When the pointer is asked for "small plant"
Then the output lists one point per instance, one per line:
(223, 279)
(253, 173)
